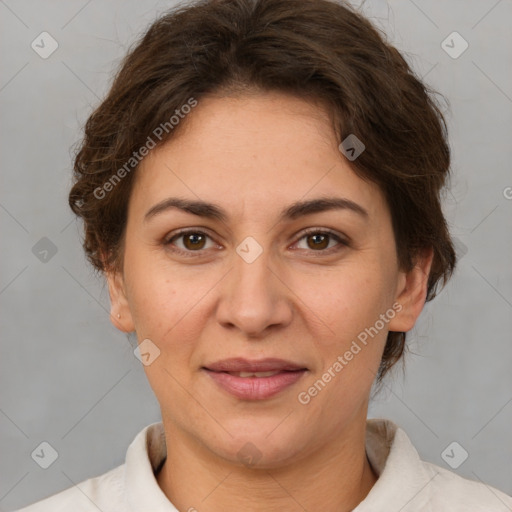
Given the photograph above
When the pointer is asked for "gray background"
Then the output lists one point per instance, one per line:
(69, 378)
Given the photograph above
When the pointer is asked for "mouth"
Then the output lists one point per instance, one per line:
(244, 375)
(254, 380)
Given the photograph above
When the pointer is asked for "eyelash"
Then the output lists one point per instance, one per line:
(310, 231)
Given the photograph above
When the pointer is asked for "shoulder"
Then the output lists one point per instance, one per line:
(129, 486)
(409, 484)
(455, 493)
(104, 492)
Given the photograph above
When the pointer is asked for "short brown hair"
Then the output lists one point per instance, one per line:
(311, 49)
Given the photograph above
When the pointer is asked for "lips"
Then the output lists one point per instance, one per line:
(239, 364)
(254, 374)
(254, 380)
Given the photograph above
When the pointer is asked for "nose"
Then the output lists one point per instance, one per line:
(254, 297)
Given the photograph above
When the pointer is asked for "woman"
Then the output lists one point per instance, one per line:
(261, 190)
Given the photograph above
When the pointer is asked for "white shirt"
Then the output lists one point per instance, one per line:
(405, 482)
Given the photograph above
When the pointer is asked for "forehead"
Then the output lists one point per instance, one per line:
(254, 155)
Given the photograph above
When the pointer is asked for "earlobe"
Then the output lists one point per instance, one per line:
(412, 292)
(120, 314)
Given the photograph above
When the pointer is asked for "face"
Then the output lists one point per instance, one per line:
(252, 272)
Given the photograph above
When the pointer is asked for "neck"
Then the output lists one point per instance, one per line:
(336, 477)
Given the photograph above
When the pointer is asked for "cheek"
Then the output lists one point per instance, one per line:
(169, 306)
(349, 351)
(158, 296)
(345, 301)
(344, 311)
(167, 312)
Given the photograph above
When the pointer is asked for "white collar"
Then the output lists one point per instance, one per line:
(402, 475)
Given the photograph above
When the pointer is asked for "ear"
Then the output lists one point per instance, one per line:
(120, 314)
(412, 292)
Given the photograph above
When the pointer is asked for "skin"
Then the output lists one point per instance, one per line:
(253, 156)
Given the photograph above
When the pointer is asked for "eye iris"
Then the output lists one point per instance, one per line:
(197, 240)
(320, 241)
(193, 241)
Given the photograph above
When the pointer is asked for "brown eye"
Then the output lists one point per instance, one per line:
(318, 241)
(194, 240)
(321, 241)
(189, 242)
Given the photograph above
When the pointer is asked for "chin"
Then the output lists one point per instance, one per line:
(264, 444)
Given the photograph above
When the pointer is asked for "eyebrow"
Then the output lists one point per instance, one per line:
(294, 211)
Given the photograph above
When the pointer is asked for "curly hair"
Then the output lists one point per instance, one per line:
(311, 49)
